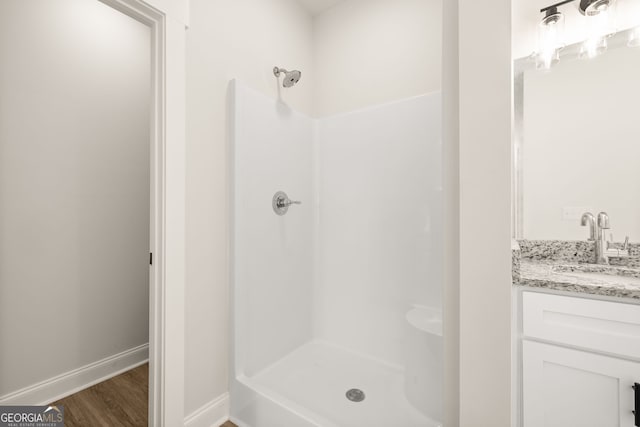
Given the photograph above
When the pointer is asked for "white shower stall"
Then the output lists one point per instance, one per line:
(336, 305)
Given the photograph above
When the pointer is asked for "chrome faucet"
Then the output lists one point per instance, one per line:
(597, 233)
(589, 219)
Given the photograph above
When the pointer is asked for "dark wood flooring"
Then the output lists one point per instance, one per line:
(121, 401)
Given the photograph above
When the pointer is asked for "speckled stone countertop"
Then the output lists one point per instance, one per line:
(564, 266)
(544, 274)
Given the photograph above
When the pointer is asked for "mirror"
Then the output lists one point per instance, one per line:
(577, 143)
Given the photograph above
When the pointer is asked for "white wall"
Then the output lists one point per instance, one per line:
(572, 158)
(226, 40)
(485, 81)
(272, 255)
(74, 187)
(485, 199)
(380, 223)
(369, 52)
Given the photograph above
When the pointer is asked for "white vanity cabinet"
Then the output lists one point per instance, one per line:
(580, 361)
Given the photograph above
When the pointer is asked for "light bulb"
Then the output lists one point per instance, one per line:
(550, 39)
(547, 59)
(599, 30)
(593, 47)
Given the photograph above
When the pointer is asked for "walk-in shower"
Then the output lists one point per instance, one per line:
(336, 301)
(336, 223)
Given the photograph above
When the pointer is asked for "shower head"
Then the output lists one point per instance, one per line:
(290, 77)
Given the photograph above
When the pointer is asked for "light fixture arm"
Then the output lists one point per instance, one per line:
(583, 6)
(555, 6)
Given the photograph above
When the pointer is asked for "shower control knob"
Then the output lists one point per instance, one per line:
(285, 203)
(281, 203)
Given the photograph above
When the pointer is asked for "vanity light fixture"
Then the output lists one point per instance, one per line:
(600, 20)
(550, 36)
(598, 12)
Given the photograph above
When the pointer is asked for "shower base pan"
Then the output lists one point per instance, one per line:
(309, 387)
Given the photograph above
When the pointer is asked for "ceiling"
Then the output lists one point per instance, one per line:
(318, 6)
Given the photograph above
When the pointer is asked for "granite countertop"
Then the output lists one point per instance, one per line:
(613, 281)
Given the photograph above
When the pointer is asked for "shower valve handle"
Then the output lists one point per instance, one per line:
(281, 203)
(288, 202)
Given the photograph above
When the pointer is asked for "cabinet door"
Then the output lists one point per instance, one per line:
(564, 387)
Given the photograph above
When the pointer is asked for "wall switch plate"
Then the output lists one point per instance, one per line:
(574, 213)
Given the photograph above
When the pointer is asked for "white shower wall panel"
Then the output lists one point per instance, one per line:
(272, 255)
(380, 223)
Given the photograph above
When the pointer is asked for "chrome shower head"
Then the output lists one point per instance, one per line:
(290, 77)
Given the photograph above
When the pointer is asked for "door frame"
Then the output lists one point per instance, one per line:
(167, 21)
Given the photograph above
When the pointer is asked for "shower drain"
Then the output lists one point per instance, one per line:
(355, 395)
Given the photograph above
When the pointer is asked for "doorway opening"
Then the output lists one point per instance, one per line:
(82, 138)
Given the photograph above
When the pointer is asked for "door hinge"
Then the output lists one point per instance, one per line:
(636, 411)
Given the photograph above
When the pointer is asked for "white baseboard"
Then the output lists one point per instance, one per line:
(212, 414)
(55, 388)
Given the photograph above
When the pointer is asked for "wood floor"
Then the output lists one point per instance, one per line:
(121, 401)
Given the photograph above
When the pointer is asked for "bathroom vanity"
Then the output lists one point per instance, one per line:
(577, 338)
(576, 207)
